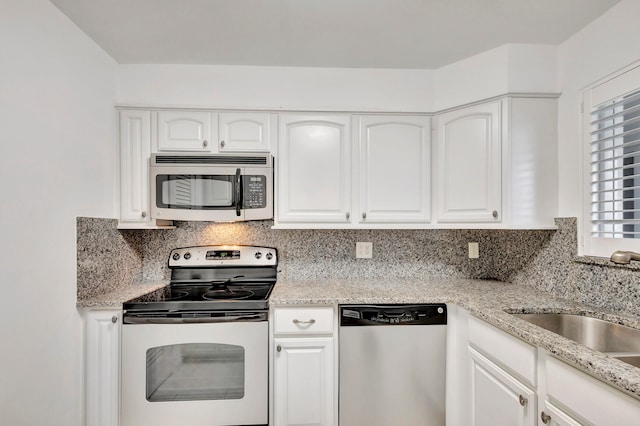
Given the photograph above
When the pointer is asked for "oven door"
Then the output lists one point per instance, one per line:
(194, 374)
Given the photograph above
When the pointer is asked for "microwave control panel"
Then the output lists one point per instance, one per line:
(255, 192)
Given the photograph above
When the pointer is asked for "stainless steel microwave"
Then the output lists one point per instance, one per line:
(219, 188)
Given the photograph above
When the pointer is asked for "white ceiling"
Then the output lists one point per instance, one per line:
(323, 33)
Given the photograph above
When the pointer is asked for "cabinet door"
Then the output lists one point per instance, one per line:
(497, 398)
(314, 183)
(469, 159)
(245, 132)
(135, 151)
(102, 367)
(554, 416)
(304, 382)
(185, 131)
(394, 168)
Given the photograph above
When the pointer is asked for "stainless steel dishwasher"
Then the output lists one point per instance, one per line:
(392, 365)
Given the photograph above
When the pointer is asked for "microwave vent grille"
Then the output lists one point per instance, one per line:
(212, 159)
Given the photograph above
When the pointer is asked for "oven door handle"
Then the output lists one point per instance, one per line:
(238, 192)
(195, 320)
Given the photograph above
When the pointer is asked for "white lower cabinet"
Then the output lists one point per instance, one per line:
(304, 381)
(508, 378)
(102, 366)
(304, 367)
(497, 398)
(554, 416)
(573, 397)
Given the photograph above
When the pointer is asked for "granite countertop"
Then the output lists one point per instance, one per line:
(114, 299)
(489, 300)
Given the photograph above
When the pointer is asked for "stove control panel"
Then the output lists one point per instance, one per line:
(223, 256)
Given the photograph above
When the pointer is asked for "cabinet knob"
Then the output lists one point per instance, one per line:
(143, 214)
(364, 215)
(523, 400)
(222, 144)
(278, 348)
(545, 418)
(347, 215)
(114, 319)
(495, 214)
(205, 143)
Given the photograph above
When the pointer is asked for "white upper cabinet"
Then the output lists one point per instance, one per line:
(135, 151)
(185, 131)
(246, 132)
(497, 164)
(313, 169)
(469, 164)
(394, 168)
(326, 181)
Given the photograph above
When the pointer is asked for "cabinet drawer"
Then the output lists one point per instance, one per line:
(510, 352)
(312, 320)
(589, 398)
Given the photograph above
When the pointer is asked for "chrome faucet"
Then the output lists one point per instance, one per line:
(624, 257)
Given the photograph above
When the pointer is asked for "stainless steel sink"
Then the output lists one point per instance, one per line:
(633, 360)
(616, 340)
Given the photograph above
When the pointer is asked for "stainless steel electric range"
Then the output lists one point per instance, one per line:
(199, 355)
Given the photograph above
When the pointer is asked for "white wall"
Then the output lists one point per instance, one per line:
(332, 89)
(57, 162)
(506, 69)
(606, 45)
(509, 68)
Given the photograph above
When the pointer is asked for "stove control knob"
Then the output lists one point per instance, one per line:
(269, 256)
(176, 256)
(187, 256)
(258, 255)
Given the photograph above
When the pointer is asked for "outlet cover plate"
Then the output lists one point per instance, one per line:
(364, 250)
(474, 251)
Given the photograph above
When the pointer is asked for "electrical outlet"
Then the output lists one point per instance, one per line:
(364, 250)
(474, 251)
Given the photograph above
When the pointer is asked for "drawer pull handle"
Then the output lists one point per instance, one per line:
(545, 418)
(297, 321)
(523, 400)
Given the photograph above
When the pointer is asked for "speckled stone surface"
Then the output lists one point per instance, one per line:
(142, 291)
(305, 254)
(408, 266)
(488, 300)
(107, 259)
(556, 268)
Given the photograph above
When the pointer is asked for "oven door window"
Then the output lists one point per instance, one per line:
(196, 192)
(194, 372)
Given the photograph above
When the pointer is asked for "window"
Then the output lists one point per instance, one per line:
(612, 135)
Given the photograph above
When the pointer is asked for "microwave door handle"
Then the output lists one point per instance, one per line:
(238, 193)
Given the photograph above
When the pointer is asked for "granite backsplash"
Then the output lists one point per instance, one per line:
(543, 259)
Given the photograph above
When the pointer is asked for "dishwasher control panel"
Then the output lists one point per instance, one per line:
(423, 314)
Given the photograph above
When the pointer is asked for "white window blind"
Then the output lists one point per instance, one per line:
(615, 167)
